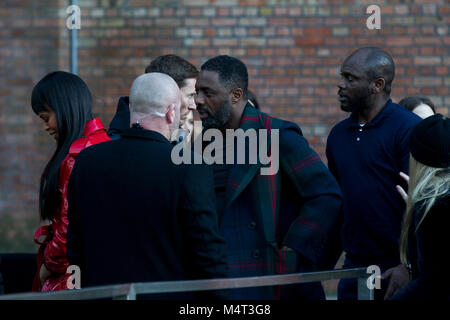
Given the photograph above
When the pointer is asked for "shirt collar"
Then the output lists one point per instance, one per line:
(90, 128)
(384, 112)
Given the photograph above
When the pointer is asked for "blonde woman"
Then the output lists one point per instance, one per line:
(423, 239)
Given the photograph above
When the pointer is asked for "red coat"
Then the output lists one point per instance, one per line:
(52, 251)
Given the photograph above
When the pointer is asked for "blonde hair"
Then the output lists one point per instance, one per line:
(425, 184)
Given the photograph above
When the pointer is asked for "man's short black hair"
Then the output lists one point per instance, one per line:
(412, 102)
(232, 72)
(379, 64)
(174, 66)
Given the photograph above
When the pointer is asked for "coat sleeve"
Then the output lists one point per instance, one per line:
(73, 231)
(55, 258)
(315, 233)
(206, 247)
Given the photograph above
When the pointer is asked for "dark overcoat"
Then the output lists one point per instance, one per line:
(135, 216)
(298, 207)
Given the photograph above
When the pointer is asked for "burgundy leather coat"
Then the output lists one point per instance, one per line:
(52, 251)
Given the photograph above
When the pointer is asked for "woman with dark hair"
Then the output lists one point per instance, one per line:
(63, 101)
(423, 239)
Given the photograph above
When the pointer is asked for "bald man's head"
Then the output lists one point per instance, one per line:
(153, 93)
(377, 63)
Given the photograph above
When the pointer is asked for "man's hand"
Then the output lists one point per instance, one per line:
(399, 278)
(44, 273)
(400, 189)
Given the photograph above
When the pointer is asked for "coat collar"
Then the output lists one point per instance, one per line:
(121, 120)
(144, 134)
(240, 175)
(90, 128)
(251, 118)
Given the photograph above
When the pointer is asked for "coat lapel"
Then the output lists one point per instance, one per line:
(240, 175)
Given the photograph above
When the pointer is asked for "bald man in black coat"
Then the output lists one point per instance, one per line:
(135, 216)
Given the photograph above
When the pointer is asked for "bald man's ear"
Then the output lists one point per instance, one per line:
(378, 85)
(170, 115)
(236, 95)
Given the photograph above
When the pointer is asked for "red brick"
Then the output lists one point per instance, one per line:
(308, 41)
(223, 12)
(168, 12)
(210, 32)
(267, 51)
(20, 82)
(427, 51)
(224, 22)
(427, 61)
(254, 31)
(428, 91)
(442, 70)
(444, 10)
(427, 40)
(399, 41)
(252, 3)
(281, 21)
(318, 31)
(252, 52)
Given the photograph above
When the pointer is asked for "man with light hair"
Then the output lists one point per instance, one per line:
(183, 72)
(134, 216)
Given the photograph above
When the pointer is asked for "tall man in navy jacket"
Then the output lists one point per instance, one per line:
(278, 223)
(366, 152)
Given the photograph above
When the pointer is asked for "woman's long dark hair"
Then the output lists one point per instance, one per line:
(68, 96)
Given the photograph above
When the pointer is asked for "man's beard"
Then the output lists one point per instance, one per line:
(357, 103)
(219, 118)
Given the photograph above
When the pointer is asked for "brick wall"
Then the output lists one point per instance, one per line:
(293, 50)
(32, 43)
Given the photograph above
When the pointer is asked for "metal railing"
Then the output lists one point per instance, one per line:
(130, 290)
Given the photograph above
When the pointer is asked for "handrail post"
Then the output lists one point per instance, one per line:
(131, 293)
(364, 293)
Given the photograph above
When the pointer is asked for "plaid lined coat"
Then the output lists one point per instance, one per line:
(298, 207)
